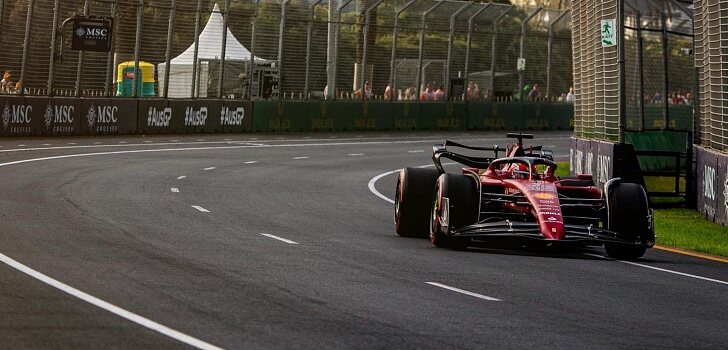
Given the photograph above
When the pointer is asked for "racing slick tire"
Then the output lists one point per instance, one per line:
(415, 187)
(461, 193)
(628, 216)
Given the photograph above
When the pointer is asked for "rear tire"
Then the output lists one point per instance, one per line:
(628, 216)
(462, 194)
(415, 187)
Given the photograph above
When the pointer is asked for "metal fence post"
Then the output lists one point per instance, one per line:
(665, 71)
(108, 83)
(252, 50)
(26, 45)
(493, 52)
(328, 91)
(223, 49)
(168, 52)
(641, 70)
(451, 38)
(366, 46)
(393, 62)
(137, 48)
(421, 53)
(622, 76)
(79, 67)
(281, 29)
(194, 88)
(523, 49)
(550, 52)
(335, 62)
(309, 33)
(470, 40)
(2, 11)
(52, 61)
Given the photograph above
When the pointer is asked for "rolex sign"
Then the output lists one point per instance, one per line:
(92, 34)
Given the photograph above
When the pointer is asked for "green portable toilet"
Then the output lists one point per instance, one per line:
(125, 79)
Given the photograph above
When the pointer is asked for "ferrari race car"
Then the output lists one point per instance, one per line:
(519, 197)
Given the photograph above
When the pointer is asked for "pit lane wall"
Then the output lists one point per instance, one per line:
(57, 116)
(712, 177)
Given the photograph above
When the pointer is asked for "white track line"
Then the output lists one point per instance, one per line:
(480, 296)
(175, 142)
(142, 321)
(374, 181)
(355, 154)
(210, 168)
(181, 177)
(278, 238)
(299, 158)
(174, 189)
(251, 162)
(659, 269)
(200, 208)
(126, 314)
(416, 151)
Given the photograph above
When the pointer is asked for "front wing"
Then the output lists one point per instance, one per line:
(530, 230)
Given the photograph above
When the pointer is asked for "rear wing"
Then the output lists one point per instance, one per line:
(440, 151)
(444, 150)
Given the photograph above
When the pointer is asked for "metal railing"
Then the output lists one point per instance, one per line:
(278, 49)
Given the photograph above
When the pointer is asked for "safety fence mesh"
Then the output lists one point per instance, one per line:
(711, 59)
(421, 49)
(596, 72)
(659, 70)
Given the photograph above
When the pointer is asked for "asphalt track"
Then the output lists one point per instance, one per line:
(276, 241)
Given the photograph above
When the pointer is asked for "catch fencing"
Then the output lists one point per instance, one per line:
(711, 59)
(653, 89)
(280, 49)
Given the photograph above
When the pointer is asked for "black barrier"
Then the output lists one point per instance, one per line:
(19, 118)
(712, 170)
(721, 190)
(592, 157)
(58, 116)
(108, 116)
(196, 116)
(236, 116)
(155, 117)
(604, 161)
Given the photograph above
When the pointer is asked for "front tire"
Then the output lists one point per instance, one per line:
(415, 187)
(456, 202)
(629, 216)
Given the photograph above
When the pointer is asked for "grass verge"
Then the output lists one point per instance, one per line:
(687, 229)
(679, 227)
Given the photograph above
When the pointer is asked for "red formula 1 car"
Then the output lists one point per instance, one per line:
(519, 197)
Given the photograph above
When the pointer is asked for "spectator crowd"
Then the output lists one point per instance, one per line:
(7, 86)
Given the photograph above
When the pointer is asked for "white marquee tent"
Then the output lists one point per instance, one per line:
(209, 48)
